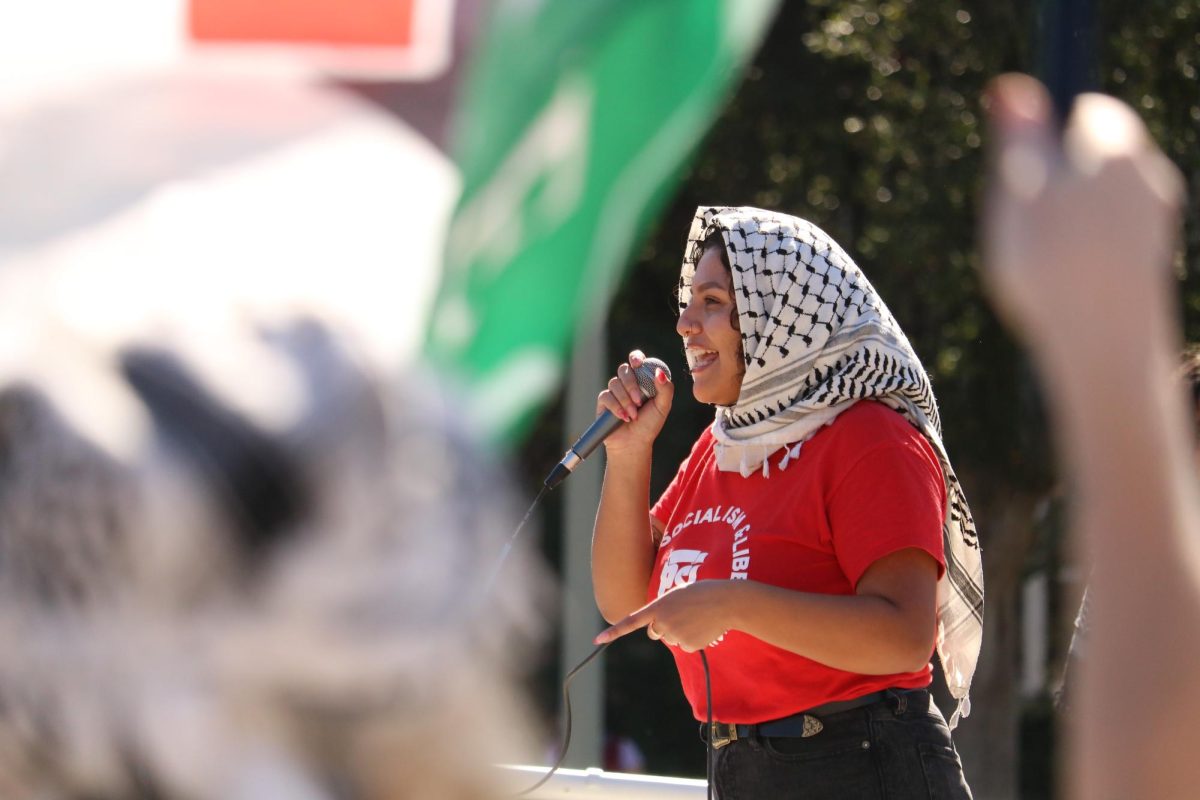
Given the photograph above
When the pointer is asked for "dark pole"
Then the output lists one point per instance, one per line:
(1067, 50)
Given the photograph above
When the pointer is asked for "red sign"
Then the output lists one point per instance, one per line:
(387, 23)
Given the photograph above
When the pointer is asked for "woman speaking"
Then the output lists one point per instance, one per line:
(815, 545)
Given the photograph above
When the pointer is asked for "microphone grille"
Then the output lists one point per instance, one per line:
(645, 375)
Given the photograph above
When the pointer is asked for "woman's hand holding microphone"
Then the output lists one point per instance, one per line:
(626, 398)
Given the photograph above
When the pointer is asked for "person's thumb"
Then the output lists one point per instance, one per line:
(664, 390)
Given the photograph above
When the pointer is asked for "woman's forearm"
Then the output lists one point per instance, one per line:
(887, 627)
(622, 541)
(866, 634)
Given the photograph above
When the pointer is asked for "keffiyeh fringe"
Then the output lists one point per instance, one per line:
(816, 339)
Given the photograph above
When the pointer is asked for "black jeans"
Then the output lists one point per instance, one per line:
(896, 749)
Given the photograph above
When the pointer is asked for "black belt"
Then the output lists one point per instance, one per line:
(799, 725)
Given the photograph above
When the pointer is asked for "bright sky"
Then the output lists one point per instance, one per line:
(51, 44)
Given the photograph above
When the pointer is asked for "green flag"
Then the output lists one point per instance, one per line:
(575, 120)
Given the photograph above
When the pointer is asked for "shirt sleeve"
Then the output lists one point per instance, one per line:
(891, 498)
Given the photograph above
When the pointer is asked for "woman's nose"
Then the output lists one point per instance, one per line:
(686, 324)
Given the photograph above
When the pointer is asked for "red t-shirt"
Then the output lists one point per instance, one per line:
(865, 486)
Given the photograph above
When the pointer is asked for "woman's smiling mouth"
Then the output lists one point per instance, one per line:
(698, 359)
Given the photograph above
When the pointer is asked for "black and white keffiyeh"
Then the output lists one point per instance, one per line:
(816, 339)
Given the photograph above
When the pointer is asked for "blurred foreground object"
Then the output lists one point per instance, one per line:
(235, 563)
(1078, 241)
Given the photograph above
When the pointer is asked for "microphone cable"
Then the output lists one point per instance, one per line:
(566, 693)
(566, 743)
(566, 686)
(507, 549)
(708, 745)
(567, 721)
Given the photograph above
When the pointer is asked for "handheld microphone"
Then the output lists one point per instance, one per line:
(604, 425)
